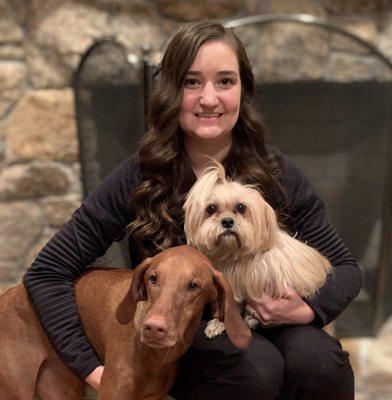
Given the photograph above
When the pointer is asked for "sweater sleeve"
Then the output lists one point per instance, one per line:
(98, 222)
(308, 218)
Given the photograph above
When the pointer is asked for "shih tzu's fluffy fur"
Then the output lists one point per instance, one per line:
(238, 230)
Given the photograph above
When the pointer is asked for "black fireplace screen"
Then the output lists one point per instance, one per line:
(339, 133)
(109, 97)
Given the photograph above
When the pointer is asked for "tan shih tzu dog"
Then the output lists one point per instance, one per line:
(238, 230)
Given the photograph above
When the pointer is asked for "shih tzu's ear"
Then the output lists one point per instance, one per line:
(219, 171)
(267, 224)
(136, 292)
(199, 194)
(225, 306)
(204, 186)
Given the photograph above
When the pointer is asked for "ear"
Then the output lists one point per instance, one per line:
(237, 331)
(205, 184)
(268, 226)
(198, 196)
(136, 292)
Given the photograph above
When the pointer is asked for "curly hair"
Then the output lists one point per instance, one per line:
(166, 169)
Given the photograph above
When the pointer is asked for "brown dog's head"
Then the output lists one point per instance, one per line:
(174, 287)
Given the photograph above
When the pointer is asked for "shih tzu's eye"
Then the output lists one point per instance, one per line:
(241, 208)
(193, 286)
(211, 209)
(153, 279)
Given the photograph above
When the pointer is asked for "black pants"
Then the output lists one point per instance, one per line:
(296, 362)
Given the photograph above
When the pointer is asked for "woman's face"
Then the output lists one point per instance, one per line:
(212, 93)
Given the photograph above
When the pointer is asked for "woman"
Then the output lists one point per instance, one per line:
(201, 106)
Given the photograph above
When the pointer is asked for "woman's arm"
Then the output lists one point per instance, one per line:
(99, 221)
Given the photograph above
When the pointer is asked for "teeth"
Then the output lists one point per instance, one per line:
(203, 115)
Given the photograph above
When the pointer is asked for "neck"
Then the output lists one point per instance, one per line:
(161, 369)
(159, 358)
(201, 151)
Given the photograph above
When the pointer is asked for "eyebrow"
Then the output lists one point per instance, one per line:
(198, 73)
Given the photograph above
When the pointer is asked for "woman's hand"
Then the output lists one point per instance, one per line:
(94, 379)
(290, 309)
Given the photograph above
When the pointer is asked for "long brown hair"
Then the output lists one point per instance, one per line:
(167, 173)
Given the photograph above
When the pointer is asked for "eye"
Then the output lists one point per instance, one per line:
(211, 209)
(226, 82)
(153, 279)
(193, 286)
(241, 208)
(191, 82)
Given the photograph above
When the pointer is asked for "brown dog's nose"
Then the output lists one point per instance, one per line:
(155, 327)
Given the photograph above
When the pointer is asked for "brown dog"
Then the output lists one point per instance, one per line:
(139, 322)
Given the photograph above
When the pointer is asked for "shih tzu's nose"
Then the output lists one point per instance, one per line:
(227, 222)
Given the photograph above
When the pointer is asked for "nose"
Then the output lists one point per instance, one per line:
(209, 97)
(155, 327)
(227, 222)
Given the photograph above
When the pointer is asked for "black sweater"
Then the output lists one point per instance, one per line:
(101, 220)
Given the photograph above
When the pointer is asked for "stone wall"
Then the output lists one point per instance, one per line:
(41, 42)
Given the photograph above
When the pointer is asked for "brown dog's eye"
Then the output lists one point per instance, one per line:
(211, 209)
(241, 208)
(153, 279)
(193, 286)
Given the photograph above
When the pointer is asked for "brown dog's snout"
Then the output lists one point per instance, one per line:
(155, 327)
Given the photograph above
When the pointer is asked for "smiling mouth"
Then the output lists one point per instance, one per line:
(208, 115)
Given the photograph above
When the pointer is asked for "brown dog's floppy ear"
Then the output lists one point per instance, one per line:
(237, 331)
(136, 292)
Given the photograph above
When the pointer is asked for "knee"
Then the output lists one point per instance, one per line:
(312, 355)
(215, 369)
(257, 372)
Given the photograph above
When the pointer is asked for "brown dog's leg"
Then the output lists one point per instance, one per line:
(115, 384)
(56, 382)
(7, 393)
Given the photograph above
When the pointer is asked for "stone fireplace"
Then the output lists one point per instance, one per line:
(326, 99)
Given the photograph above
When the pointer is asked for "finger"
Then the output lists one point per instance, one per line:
(267, 324)
(251, 303)
(251, 311)
(265, 298)
(249, 308)
(254, 303)
(268, 304)
(290, 292)
(264, 317)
